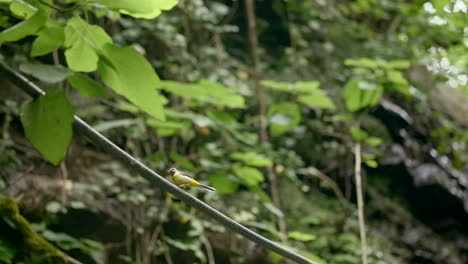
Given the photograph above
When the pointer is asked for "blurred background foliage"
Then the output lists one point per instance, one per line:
(391, 75)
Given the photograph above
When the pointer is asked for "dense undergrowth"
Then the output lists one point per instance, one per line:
(334, 74)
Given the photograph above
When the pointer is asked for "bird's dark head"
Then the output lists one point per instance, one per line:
(172, 170)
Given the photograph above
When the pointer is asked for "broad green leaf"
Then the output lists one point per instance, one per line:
(167, 128)
(299, 236)
(128, 73)
(352, 95)
(181, 161)
(24, 28)
(359, 94)
(396, 77)
(372, 163)
(298, 87)
(79, 30)
(45, 72)
(307, 87)
(47, 122)
(86, 86)
(81, 57)
(251, 158)
(49, 39)
(223, 184)
(205, 91)
(22, 10)
(141, 9)
(374, 141)
(440, 4)
(358, 134)
(283, 117)
(370, 93)
(397, 64)
(398, 82)
(362, 62)
(251, 176)
(83, 42)
(317, 99)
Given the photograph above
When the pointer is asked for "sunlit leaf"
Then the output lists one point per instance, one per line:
(205, 91)
(317, 99)
(49, 39)
(283, 117)
(299, 236)
(141, 9)
(362, 62)
(83, 42)
(298, 87)
(128, 73)
(251, 176)
(22, 10)
(24, 28)
(358, 134)
(251, 158)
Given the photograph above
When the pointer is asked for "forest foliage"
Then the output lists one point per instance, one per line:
(175, 83)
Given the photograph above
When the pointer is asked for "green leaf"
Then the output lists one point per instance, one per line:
(317, 99)
(299, 236)
(83, 42)
(251, 176)
(167, 128)
(79, 30)
(440, 4)
(47, 123)
(223, 184)
(352, 95)
(359, 94)
(251, 158)
(372, 163)
(128, 73)
(374, 141)
(86, 86)
(362, 62)
(22, 10)
(24, 28)
(399, 82)
(45, 72)
(205, 91)
(397, 64)
(283, 117)
(358, 134)
(181, 161)
(140, 9)
(298, 87)
(48, 40)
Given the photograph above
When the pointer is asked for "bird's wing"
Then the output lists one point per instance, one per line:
(185, 174)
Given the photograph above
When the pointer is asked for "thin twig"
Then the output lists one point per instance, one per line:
(360, 200)
(209, 250)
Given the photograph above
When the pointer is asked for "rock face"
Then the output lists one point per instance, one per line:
(436, 192)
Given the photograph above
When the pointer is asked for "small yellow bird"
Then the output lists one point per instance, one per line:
(183, 180)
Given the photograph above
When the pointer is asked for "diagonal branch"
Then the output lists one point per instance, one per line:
(152, 177)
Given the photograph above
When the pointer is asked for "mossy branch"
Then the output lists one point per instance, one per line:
(31, 241)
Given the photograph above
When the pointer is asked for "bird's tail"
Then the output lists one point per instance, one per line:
(209, 188)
